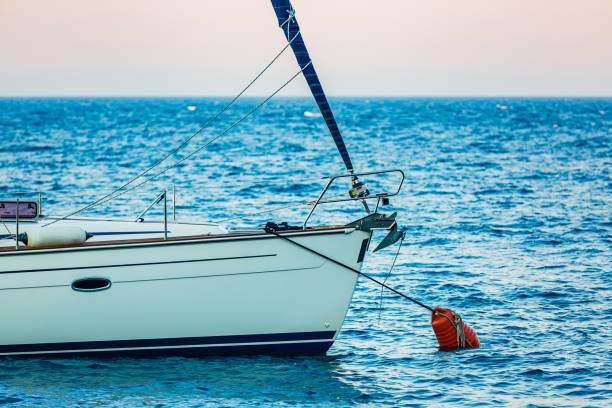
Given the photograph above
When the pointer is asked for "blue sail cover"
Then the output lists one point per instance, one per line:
(284, 10)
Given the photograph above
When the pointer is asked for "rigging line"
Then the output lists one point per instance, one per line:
(216, 186)
(262, 212)
(207, 187)
(172, 152)
(216, 137)
(7, 230)
(291, 15)
(225, 108)
(121, 192)
(268, 180)
(389, 274)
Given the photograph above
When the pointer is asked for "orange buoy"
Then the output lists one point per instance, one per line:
(452, 332)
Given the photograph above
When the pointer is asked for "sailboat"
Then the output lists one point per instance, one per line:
(82, 286)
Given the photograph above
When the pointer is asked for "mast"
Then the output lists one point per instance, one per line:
(288, 23)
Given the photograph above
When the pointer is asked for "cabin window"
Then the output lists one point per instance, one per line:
(27, 209)
(91, 284)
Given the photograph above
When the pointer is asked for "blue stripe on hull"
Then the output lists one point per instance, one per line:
(304, 348)
(199, 344)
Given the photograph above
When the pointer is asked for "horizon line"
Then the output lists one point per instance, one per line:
(543, 96)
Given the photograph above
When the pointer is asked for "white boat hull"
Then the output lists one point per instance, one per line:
(252, 293)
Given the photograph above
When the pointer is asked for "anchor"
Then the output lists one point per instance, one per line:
(380, 221)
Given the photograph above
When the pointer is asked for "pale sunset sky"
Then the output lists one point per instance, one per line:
(359, 47)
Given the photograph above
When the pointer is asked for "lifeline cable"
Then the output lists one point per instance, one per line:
(397, 292)
(247, 215)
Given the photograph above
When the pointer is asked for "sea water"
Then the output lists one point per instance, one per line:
(507, 207)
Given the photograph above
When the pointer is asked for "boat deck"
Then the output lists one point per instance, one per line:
(161, 240)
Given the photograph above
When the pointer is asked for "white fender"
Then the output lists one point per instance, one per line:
(55, 236)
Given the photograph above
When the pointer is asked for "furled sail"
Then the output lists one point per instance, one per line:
(289, 25)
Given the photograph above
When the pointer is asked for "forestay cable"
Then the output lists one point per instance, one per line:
(179, 147)
(108, 197)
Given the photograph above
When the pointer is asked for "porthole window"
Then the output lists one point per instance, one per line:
(91, 284)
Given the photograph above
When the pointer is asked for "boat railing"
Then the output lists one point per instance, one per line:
(17, 224)
(379, 197)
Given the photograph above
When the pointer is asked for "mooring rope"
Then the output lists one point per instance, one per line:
(457, 323)
(358, 272)
(185, 142)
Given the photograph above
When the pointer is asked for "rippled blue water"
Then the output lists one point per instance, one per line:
(508, 208)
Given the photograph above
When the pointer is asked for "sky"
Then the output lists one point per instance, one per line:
(359, 47)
